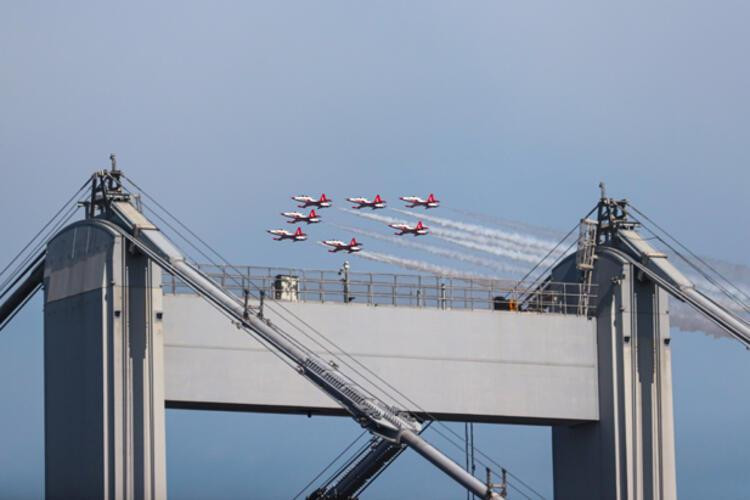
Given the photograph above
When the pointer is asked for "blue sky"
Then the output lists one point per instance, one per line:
(515, 109)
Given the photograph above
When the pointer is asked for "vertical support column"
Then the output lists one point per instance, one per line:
(629, 452)
(145, 357)
(104, 381)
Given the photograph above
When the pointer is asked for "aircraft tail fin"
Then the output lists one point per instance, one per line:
(298, 232)
(431, 198)
(378, 199)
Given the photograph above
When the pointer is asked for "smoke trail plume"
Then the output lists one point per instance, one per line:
(468, 241)
(686, 319)
(527, 249)
(682, 317)
(443, 252)
(418, 265)
(739, 273)
(539, 231)
(499, 251)
(526, 241)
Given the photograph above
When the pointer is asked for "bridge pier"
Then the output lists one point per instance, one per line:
(103, 364)
(629, 453)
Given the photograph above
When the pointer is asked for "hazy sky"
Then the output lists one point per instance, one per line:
(517, 109)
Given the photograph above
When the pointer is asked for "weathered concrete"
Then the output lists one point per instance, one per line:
(104, 411)
(480, 365)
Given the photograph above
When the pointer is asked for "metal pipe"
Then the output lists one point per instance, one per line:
(447, 465)
(704, 305)
(720, 315)
(371, 413)
(19, 295)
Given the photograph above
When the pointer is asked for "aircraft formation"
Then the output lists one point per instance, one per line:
(359, 203)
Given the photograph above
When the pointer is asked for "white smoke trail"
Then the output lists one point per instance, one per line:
(489, 242)
(736, 304)
(738, 290)
(682, 317)
(511, 250)
(734, 295)
(526, 241)
(539, 231)
(483, 247)
(740, 274)
(489, 245)
(377, 218)
(443, 252)
(468, 241)
(418, 265)
(687, 319)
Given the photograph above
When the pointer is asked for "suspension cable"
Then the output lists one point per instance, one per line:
(17, 273)
(330, 464)
(62, 209)
(711, 281)
(20, 306)
(389, 396)
(288, 337)
(562, 255)
(280, 315)
(303, 322)
(702, 272)
(170, 269)
(21, 275)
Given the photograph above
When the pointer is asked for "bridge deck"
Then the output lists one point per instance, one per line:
(499, 366)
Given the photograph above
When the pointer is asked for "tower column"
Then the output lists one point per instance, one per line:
(103, 368)
(629, 452)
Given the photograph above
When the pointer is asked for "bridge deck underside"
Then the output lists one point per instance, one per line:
(494, 366)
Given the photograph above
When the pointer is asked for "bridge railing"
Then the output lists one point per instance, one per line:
(408, 290)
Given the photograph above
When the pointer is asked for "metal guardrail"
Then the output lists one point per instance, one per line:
(407, 290)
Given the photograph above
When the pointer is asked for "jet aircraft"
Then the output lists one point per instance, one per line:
(418, 230)
(308, 201)
(378, 202)
(338, 245)
(416, 201)
(283, 234)
(311, 218)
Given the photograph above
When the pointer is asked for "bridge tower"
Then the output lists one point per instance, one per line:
(629, 452)
(103, 365)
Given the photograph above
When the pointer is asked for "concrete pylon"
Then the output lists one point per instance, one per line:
(103, 368)
(629, 453)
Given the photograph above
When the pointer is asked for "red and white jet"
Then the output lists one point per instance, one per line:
(416, 201)
(378, 202)
(283, 234)
(308, 201)
(338, 245)
(311, 218)
(418, 230)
